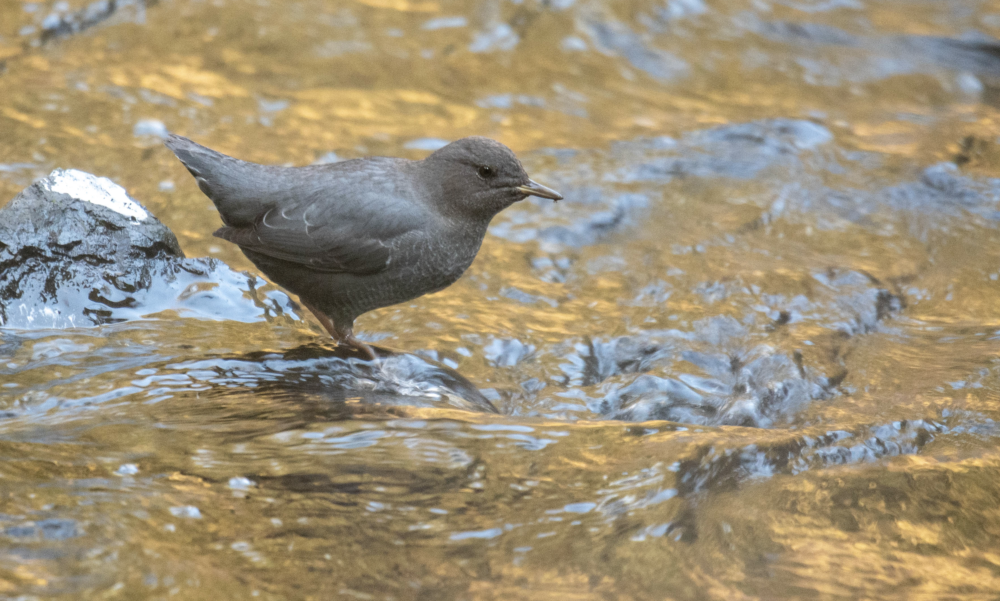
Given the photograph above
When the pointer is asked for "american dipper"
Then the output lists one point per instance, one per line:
(358, 235)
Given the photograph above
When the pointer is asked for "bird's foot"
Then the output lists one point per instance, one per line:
(351, 341)
(343, 334)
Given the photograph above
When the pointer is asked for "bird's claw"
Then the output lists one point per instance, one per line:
(363, 348)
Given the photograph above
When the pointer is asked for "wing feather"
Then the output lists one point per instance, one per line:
(337, 220)
(311, 234)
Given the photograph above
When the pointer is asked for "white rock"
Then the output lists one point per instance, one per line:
(96, 190)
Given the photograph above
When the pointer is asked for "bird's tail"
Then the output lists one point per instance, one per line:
(231, 184)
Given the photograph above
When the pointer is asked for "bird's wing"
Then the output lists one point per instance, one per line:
(325, 235)
(341, 218)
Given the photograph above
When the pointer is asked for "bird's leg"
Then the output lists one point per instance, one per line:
(343, 335)
(361, 346)
(323, 320)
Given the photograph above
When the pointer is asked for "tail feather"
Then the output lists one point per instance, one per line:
(231, 184)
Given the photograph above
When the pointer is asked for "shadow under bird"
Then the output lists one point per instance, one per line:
(358, 235)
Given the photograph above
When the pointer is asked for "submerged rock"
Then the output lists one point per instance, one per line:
(321, 372)
(724, 372)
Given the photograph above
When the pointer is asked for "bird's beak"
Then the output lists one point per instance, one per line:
(536, 189)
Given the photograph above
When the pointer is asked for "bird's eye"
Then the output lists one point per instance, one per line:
(486, 172)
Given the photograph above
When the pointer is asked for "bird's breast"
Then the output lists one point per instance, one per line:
(437, 261)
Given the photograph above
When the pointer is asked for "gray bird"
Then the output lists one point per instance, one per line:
(358, 235)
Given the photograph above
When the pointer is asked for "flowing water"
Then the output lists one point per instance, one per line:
(752, 355)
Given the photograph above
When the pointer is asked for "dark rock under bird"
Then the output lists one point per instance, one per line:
(358, 235)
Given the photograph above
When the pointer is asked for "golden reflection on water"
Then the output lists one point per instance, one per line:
(325, 516)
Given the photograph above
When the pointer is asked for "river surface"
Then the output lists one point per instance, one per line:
(752, 355)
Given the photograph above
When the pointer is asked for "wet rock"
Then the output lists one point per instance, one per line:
(943, 189)
(942, 198)
(802, 33)
(775, 136)
(981, 56)
(865, 310)
(335, 374)
(48, 529)
(869, 58)
(317, 378)
(712, 468)
(728, 372)
(739, 384)
(718, 374)
(743, 379)
(596, 360)
(507, 353)
(597, 226)
(739, 151)
(755, 389)
(725, 464)
(76, 251)
(614, 37)
(61, 23)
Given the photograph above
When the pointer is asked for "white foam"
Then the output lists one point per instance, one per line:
(96, 190)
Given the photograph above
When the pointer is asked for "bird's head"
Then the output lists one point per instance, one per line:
(479, 177)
